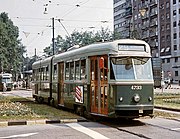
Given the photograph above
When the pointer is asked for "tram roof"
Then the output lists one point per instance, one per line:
(102, 48)
(110, 48)
(42, 62)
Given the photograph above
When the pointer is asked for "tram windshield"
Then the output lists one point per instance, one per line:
(6, 80)
(131, 68)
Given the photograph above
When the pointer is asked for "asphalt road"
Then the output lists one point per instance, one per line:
(140, 128)
(155, 128)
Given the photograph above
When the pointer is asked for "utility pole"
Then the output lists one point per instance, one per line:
(53, 43)
(35, 55)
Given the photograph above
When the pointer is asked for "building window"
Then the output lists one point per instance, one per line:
(176, 59)
(163, 39)
(175, 35)
(163, 60)
(162, 28)
(167, 16)
(176, 73)
(174, 12)
(174, 1)
(167, 4)
(168, 37)
(161, 6)
(174, 24)
(168, 60)
(167, 26)
(162, 50)
(162, 17)
(167, 49)
(175, 47)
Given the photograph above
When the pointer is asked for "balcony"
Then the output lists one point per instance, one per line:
(153, 33)
(153, 23)
(153, 2)
(145, 35)
(144, 26)
(128, 12)
(128, 5)
(153, 13)
(145, 5)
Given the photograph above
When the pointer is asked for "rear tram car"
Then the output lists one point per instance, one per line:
(111, 79)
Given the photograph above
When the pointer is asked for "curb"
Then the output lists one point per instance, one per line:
(37, 122)
(169, 109)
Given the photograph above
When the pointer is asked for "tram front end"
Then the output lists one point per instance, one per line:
(131, 86)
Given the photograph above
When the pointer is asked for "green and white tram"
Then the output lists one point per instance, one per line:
(111, 79)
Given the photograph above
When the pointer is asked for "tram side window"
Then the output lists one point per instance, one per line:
(33, 75)
(42, 72)
(39, 74)
(67, 71)
(71, 75)
(47, 73)
(36, 74)
(55, 72)
(92, 70)
(83, 69)
(105, 69)
(77, 70)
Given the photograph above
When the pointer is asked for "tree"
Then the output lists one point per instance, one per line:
(116, 35)
(103, 35)
(11, 49)
(79, 38)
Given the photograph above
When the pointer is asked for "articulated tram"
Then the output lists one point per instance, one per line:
(112, 79)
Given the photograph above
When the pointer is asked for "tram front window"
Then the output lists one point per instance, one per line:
(6, 80)
(131, 68)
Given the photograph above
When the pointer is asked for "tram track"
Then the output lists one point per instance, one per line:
(132, 133)
(143, 128)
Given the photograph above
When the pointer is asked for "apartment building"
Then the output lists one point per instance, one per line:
(122, 17)
(157, 22)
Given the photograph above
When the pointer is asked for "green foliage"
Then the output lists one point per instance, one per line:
(82, 39)
(11, 49)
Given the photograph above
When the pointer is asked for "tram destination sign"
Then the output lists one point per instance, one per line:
(131, 47)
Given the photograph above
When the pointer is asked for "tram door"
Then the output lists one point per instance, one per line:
(61, 83)
(99, 84)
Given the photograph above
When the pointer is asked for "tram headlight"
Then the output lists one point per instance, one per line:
(150, 98)
(136, 98)
(121, 99)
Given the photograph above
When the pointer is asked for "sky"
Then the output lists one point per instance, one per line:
(34, 19)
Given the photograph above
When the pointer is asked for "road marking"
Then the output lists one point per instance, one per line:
(20, 135)
(174, 129)
(86, 131)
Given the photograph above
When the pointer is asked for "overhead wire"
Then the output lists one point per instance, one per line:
(67, 13)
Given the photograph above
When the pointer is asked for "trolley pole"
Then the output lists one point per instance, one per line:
(53, 43)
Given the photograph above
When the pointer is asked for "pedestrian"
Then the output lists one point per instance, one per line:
(168, 84)
(4, 87)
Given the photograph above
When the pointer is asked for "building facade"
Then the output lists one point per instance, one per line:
(158, 23)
